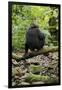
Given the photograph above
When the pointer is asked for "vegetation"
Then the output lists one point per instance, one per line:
(45, 17)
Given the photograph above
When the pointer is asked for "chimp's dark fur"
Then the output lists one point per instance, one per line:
(35, 39)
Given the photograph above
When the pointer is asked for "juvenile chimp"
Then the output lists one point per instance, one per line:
(35, 39)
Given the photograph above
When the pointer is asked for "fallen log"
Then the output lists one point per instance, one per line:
(45, 50)
(44, 78)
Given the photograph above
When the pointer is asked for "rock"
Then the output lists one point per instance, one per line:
(54, 62)
(55, 56)
(33, 61)
(40, 69)
(13, 83)
(23, 77)
(50, 55)
(45, 63)
(14, 62)
(17, 71)
(22, 67)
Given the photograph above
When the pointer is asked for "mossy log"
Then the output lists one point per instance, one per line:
(37, 68)
(33, 77)
(45, 50)
(44, 78)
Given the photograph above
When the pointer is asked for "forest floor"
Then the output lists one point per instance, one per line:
(40, 69)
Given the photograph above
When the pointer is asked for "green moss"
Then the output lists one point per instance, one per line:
(32, 78)
(38, 68)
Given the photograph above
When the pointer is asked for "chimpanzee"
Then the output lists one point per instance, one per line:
(35, 39)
